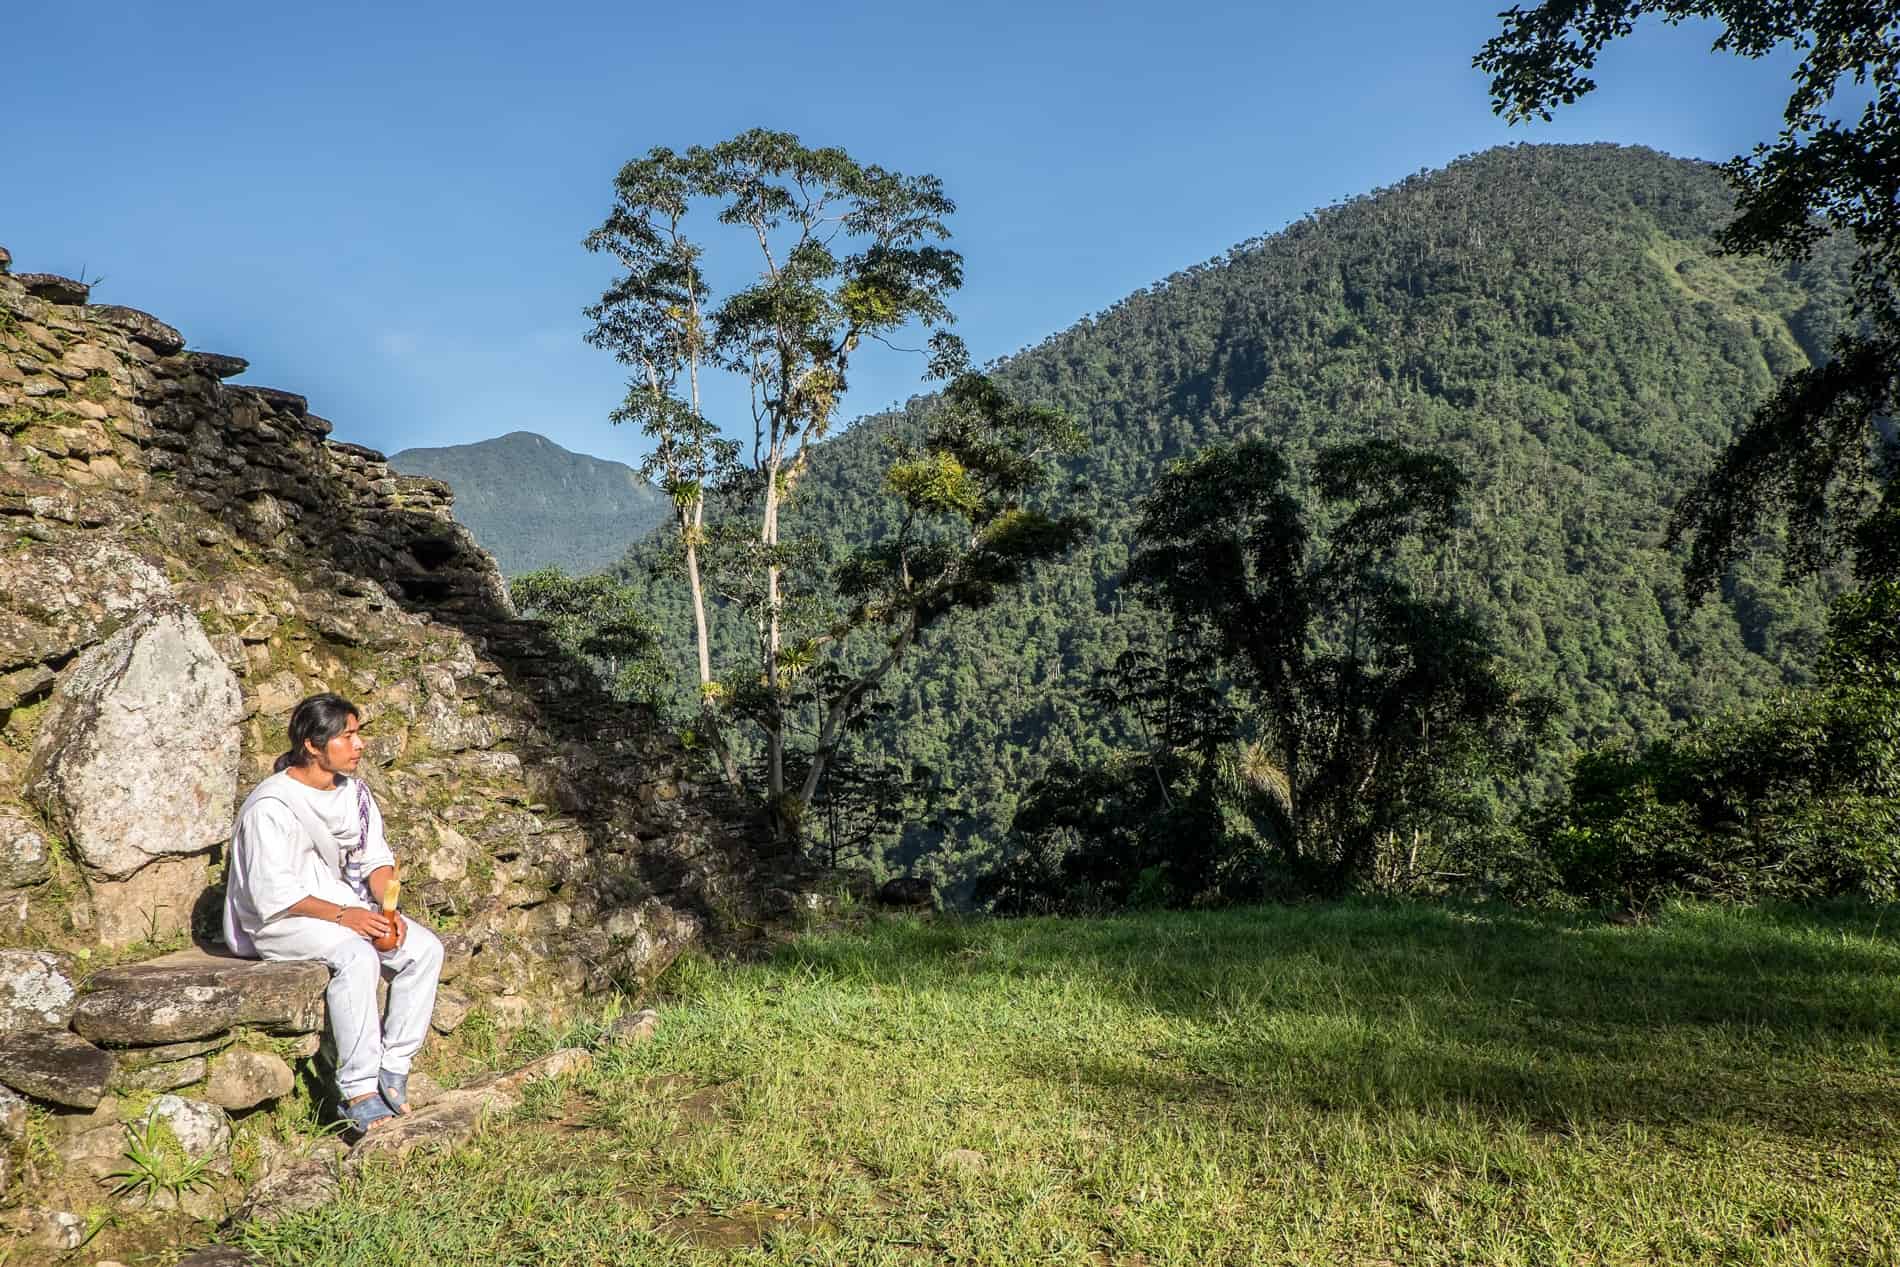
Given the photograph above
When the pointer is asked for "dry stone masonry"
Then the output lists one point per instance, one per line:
(183, 558)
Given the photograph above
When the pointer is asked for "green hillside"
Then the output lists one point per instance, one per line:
(1554, 318)
(533, 503)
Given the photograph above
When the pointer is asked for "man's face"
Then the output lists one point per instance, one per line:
(342, 754)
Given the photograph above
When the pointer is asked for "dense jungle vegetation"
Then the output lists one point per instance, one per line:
(1555, 321)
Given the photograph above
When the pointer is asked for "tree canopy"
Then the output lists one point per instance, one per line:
(841, 252)
(1557, 321)
(1808, 451)
(1312, 706)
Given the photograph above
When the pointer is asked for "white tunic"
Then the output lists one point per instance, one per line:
(292, 842)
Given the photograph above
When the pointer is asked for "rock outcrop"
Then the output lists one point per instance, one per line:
(192, 557)
(133, 766)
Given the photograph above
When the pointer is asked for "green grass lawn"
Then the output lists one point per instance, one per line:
(1344, 1084)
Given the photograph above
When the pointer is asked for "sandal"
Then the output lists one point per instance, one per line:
(366, 1112)
(395, 1089)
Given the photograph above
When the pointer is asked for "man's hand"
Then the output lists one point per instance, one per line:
(365, 922)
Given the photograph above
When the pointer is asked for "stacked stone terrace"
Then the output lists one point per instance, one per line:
(183, 558)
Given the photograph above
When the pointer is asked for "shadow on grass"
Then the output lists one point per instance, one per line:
(1778, 1021)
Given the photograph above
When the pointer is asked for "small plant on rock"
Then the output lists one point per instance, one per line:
(156, 1165)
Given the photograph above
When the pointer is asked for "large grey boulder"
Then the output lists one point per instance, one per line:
(450, 729)
(152, 903)
(97, 1149)
(35, 992)
(55, 1065)
(634, 1028)
(143, 326)
(165, 1076)
(136, 762)
(217, 364)
(169, 1053)
(458, 1114)
(451, 1009)
(137, 756)
(54, 288)
(192, 994)
(300, 1186)
(132, 1018)
(647, 937)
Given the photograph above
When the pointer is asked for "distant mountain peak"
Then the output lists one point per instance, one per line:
(533, 503)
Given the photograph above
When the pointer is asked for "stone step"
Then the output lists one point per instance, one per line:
(55, 1065)
(457, 1115)
(197, 993)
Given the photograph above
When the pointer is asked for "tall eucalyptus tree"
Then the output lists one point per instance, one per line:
(841, 253)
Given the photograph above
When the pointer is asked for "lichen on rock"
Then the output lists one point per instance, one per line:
(35, 992)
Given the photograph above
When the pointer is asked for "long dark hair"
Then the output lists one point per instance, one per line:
(318, 719)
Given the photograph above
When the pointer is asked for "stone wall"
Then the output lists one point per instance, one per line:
(184, 558)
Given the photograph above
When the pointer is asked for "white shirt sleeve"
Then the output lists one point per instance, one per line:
(273, 846)
(376, 850)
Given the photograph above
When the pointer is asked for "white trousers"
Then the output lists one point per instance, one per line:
(365, 1043)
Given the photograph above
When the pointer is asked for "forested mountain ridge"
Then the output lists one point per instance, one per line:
(1554, 318)
(532, 503)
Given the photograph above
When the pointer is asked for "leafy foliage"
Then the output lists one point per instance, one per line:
(845, 252)
(599, 620)
(1809, 450)
(1353, 710)
(1556, 321)
(1798, 800)
(156, 1166)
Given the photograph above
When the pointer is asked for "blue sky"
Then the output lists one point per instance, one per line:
(381, 205)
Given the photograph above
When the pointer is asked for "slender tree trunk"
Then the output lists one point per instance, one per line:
(783, 825)
(694, 525)
(698, 518)
(699, 617)
(708, 706)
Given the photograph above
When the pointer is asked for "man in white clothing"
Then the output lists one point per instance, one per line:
(305, 879)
